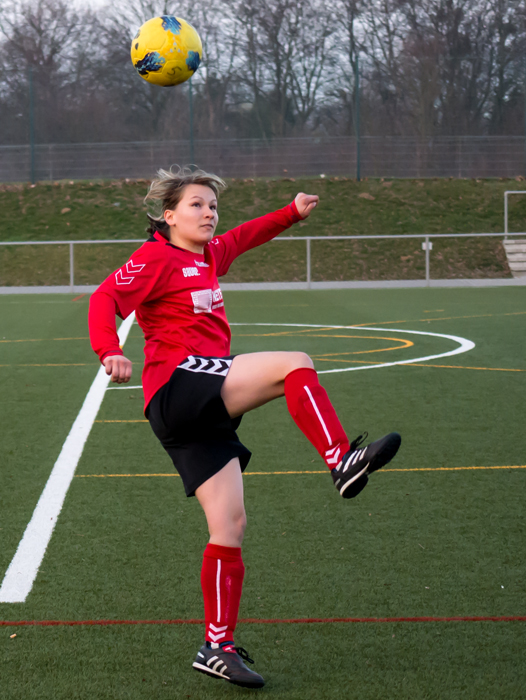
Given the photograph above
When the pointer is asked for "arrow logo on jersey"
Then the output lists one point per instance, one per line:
(130, 269)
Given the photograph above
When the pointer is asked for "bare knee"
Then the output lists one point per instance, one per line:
(240, 526)
(237, 526)
(299, 360)
(228, 531)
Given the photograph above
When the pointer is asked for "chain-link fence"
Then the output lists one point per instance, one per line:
(463, 156)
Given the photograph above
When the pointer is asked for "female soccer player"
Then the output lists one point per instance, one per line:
(196, 392)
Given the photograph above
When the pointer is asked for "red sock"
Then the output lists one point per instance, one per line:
(222, 582)
(314, 415)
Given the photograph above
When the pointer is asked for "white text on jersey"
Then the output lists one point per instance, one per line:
(190, 272)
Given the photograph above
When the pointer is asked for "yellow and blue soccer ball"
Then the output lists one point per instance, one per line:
(166, 51)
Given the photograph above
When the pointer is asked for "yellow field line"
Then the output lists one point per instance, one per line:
(288, 332)
(62, 364)
(404, 343)
(319, 358)
(38, 340)
(135, 420)
(444, 318)
(308, 330)
(106, 476)
(315, 357)
(324, 471)
(422, 320)
(487, 369)
(450, 469)
(417, 364)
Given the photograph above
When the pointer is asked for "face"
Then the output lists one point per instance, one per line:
(194, 220)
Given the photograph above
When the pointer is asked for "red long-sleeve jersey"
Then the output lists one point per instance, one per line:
(176, 298)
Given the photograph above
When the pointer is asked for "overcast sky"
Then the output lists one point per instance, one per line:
(89, 3)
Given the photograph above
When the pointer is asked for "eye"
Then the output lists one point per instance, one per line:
(196, 204)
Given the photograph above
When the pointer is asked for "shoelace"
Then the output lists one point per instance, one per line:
(243, 653)
(359, 440)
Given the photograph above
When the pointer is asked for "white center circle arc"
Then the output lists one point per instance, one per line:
(464, 345)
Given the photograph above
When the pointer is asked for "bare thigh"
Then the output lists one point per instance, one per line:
(221, 498)
(256, 378)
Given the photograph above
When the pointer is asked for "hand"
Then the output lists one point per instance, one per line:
(305, 203)
(119, 367)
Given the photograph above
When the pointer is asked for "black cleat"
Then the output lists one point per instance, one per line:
(227, 665)
(351, 475)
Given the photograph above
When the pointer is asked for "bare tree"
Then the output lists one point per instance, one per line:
(46, 37)
(288, 49)
(217, 82)
(314, 62)
(270, 68)
(348, 44)
(506, 20)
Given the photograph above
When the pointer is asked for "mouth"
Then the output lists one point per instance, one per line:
(209, 226)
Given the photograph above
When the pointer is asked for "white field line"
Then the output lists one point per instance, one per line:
(20, 576)
(464, 345)
(120, 388)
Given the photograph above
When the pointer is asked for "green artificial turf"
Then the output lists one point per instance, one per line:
(114, 210)
(417, 543)
(423, 661)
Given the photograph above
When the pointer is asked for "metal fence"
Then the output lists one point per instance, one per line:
(459, 157)
(427, 247)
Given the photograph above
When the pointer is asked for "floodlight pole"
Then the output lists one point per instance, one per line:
(191, 105)
(31, 126)
(357, 115)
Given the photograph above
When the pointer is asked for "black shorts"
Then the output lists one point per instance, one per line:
(189, 417)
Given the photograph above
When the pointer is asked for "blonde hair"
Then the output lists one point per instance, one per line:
(168, 188)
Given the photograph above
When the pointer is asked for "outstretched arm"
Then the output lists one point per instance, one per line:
(305, 203)
(229, 246)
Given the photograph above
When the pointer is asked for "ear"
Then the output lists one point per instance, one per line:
(168, 216)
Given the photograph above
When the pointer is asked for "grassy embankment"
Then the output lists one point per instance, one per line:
(98, 210)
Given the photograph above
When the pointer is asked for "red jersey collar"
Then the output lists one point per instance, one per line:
(162, 239)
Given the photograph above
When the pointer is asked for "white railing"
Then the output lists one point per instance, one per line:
(427, 246)
(508, 192)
